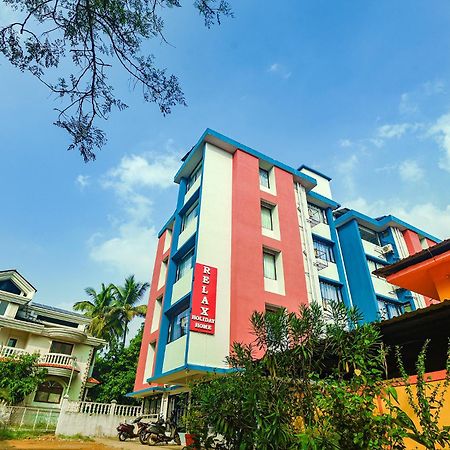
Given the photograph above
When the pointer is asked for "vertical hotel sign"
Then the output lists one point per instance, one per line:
(203, 316)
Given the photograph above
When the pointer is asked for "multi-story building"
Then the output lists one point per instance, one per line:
(58, 336)
(251, 233)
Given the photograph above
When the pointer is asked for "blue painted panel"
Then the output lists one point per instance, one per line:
(170, 280)
(338, 258)
(358, 275)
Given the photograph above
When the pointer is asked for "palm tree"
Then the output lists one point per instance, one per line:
(125, 299)
(105, 323)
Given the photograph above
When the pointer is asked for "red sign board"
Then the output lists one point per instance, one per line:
(203, 315)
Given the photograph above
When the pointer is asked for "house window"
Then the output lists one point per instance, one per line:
(195, 174)
(61, 348)
(3, 306)
(12, 342)
(264, 178)
(330, 292)
(323, 250)
(266, 217)
(316, 214)
(269, 263)
(9, 286)
(369, 235)
(184, 264)
(388, 310)
(178, 325)
(189, 216)
(374, 265)
(49, 392)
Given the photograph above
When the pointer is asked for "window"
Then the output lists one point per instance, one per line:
(3, 306)
(194, 175)
(323, 250)
(178, 325)
(9, 286)
(61, 347)
(184, 264)
(189, 216)
(369, 235)
(49, 392)
(374, 265)
(388, 310)
(269, 263)
(12, 342)
(264, 178)
(266, 217)
(330, 292)
(316, 215)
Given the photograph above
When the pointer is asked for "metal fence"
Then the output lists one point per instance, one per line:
(29, 418)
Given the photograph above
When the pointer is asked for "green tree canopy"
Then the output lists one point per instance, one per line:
(116, 370)
(104, 324)
(125, 299)
(20, 376)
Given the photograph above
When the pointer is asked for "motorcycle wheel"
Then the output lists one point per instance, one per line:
(152, 439)
(143, 436)
(177, 439)
(123, 436)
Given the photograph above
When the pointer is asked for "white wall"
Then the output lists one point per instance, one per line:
(174, 354)
(214, 249)
(323, 185)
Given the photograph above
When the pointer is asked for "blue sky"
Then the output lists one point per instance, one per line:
(358, 89)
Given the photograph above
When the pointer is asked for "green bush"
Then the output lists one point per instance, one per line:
(306, 382)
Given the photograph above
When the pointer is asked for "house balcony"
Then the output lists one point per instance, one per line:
(55, 363)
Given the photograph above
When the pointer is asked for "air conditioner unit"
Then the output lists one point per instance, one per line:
(387, 249)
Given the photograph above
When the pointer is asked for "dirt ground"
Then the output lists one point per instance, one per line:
(53, 443)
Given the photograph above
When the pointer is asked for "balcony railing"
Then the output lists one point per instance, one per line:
(57, 359)
(8, 352)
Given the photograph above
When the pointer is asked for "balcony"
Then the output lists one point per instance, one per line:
(55, 363)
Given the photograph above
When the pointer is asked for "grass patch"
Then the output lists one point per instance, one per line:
(10, 433)
(75, 437)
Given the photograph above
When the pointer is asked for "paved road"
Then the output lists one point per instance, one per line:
(134, 445)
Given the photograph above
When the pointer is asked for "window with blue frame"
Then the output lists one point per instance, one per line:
(184, 264)
(178, 325)
(374, 265)
(388, 310)
(264, 178)
(330, 292)
(369, 235)
(194, 175)
(323, 250)
(190, 215)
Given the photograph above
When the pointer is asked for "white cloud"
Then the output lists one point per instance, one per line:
(279, 70)
(410, 171)
(82, 181)
(433, 87)
(345, 143)
(140, 171)
(407, 104)
(425, 216)
(131, 251)
(441, 132)
(346, 169)
(395, 131)
(129, 247)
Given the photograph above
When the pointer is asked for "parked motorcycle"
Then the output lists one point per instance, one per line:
(162, 431)
(127, 430)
